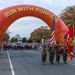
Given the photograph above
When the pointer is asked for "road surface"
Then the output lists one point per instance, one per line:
(28, 62)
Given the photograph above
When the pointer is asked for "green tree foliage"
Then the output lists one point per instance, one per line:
(68, 15)
(23, 39)
(41, 33)
(6, 37)
(29, 40)
(13, 39)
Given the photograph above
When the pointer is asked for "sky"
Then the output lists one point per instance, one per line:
(26, 25)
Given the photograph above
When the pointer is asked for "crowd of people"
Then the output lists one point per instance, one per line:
(56, 50)
(20, 45)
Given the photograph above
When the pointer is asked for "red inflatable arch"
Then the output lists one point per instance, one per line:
(10, 14)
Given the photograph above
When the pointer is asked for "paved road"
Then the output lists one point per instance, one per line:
(24, 62)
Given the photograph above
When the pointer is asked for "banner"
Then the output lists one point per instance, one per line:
(69, 41)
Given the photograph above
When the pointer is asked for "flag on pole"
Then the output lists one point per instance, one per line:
(52, 34)
(69, 41)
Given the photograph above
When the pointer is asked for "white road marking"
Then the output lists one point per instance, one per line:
(71, 64)
(12, 70)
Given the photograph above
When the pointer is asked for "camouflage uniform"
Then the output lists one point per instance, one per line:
(65, 54)
(44, 54)
(57, 48)
(51, 54)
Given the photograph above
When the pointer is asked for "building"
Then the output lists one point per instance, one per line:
(18, 37)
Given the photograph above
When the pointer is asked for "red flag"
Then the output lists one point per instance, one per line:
(69, 41)
(53, 34)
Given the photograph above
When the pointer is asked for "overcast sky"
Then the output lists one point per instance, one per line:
(26, 25)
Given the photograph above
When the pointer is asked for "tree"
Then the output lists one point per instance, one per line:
(6, 37)
(29, 40)
(13, 39)
(68, 15)
(41, 33)
(23, 39)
